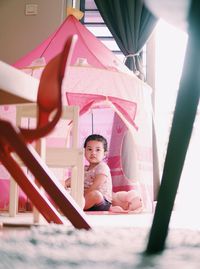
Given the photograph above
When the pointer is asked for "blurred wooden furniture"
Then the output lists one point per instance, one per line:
(15, 86)
(13, 139)
(69, 156)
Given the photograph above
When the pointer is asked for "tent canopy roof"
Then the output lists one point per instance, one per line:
(88, 47)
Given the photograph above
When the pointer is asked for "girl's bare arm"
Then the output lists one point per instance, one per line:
(98, 181)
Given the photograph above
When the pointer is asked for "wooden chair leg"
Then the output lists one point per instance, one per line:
(13, 202)
(9, 136)
(77, 184)
(80, 179)
(41, 149)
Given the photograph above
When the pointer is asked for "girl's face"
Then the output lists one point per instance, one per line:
(94, 152)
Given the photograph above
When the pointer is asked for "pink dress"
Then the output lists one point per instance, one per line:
(106, 187)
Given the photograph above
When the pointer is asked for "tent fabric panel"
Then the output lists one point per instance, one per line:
(88, 47)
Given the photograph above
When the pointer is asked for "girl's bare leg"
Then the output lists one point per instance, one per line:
(93, 198)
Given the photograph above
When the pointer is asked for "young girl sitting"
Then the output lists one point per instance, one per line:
(97, 181)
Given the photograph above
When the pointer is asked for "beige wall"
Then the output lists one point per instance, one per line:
(19, 33)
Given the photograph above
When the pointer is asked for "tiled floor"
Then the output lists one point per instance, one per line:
(120, 220)
(179, 219)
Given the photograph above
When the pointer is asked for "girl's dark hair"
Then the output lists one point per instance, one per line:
(97, 137)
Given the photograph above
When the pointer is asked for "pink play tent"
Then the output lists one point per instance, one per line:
(112, 101)
(88, 47)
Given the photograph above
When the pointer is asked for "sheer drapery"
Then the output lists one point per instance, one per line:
(131, 24)
(182, 126)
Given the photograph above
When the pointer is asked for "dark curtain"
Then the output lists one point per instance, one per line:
(131, 24)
